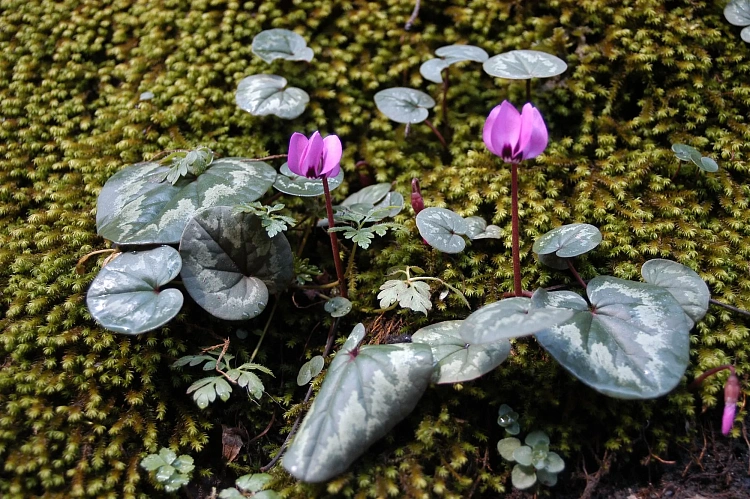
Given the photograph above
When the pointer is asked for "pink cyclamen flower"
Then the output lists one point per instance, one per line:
(417, 202)
(515, 136)
(315, 157)
(731, 394)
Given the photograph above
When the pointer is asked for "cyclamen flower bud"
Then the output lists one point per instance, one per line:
(315, 157)
(417, 202)
(515, 136)
(731, 395)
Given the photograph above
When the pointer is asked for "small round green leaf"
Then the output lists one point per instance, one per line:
(455, 360)
(568, 241)
(687, 287)
(338, 306)
(524, 64)
(369, 195)
(509, 318)
(278, 43)
(523, 477)
(264, 94)
(296, 185)
(684, 152)
(137, 207)
(462, 53)
(737, 12)
(522, 455)
(126, 297)
(546, 478)
(554, 463)
(507, 446)
(442, 229)
(309, 370)
(535, 438)
(709, 165)
(253, 482)
(404, 105)
(632, 344)
(745, 34)
(230, 265)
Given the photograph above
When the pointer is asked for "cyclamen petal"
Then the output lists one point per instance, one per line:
(315, 157)
(297, 145)
(515, 136)
(312, 156)
(727, 421)
(538, 140)
(331, 156)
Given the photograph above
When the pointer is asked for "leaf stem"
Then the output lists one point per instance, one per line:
(265, 329)
(514, 222)
(528, 90)
(413, 17)
(334, 240)
(446, 84)
(697, 381)
(729, 307)
(266, 158)
(438, 134)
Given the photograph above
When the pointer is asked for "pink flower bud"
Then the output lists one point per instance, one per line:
(417, 202)
(515, 136)
(731, 395)
(315, 157)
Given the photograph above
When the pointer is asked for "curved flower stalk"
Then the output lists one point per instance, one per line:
(320, 158)
(731, 394)
(514, 137)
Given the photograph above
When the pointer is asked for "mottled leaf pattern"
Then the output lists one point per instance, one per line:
(524, 64)
(296, 185)
(568, 241)
(442, 229)
(687, 287)
(126, 296)
(277, 43)
(366, 392)
(404, 105)
(264, 94)
(230, 265)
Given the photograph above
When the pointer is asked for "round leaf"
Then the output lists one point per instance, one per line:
(457, 361)
(687, 287)
(442, 229)
(509, 318)
(369, 195)
(553, 261)
(522, 455)
(507, 446)
(126, 297)
(554, 463)
(708, 165)
(296, 185)
(524, 64)
(230, 265)
(278, 43)
(394, 201)
(135, 207)
(404, 105)
(254, 482)
(523, 477)
(365, 393)
(535, 438)
(462, 53)
(568, 241)
(476, 226)
(431, 70)
(546, 478)
(309, 370)
(338, 306)
(633, 344)
(684, 152)
(737, 12)
(264, 94)
(745, 34)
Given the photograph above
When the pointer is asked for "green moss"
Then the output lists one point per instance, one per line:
(80, 407)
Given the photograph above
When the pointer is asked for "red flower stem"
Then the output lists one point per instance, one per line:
(696, 383)
(517, 286)
(575, 273)
(438, 134)
(334, 240)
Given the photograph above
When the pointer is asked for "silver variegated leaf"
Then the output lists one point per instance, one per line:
(136, 207)
(568, 241)
(632, 343)
(687, 287)
(524, 64)
(126, 296)
(737, 12)
(478, 229)
(277, 43)
(230, 265)
(442, 229)
(404, 105)
(365, 393)
(264, 94)
(455, 359)
(509, 318)
(296, 185)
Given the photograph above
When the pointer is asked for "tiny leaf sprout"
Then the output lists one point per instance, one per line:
(688, 153)
(412, 292)
(168, 469)
(534, 461)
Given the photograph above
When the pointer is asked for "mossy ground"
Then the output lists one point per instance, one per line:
(81, 406)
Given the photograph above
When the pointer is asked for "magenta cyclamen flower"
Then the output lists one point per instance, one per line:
(315, 157)
(731, 394)
(515, 136)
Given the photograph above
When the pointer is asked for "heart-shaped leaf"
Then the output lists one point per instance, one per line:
(279, 43)
(442, 229)
(309, 370)
(265, 94)
(686, 153)
(390, 206)
(553, 261)
(136, 207)
(455, 359)
(524, 64)
(737, 12)
(687, 287)
(296, 185)
(509, 318)
(632, 343)
(366, 392)
(569, 240)
(478, 229)
(368, 195)
(404, 105)
(431, 70)
(126, 297)
(230, 265)
(338, 306)
(450, 54)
